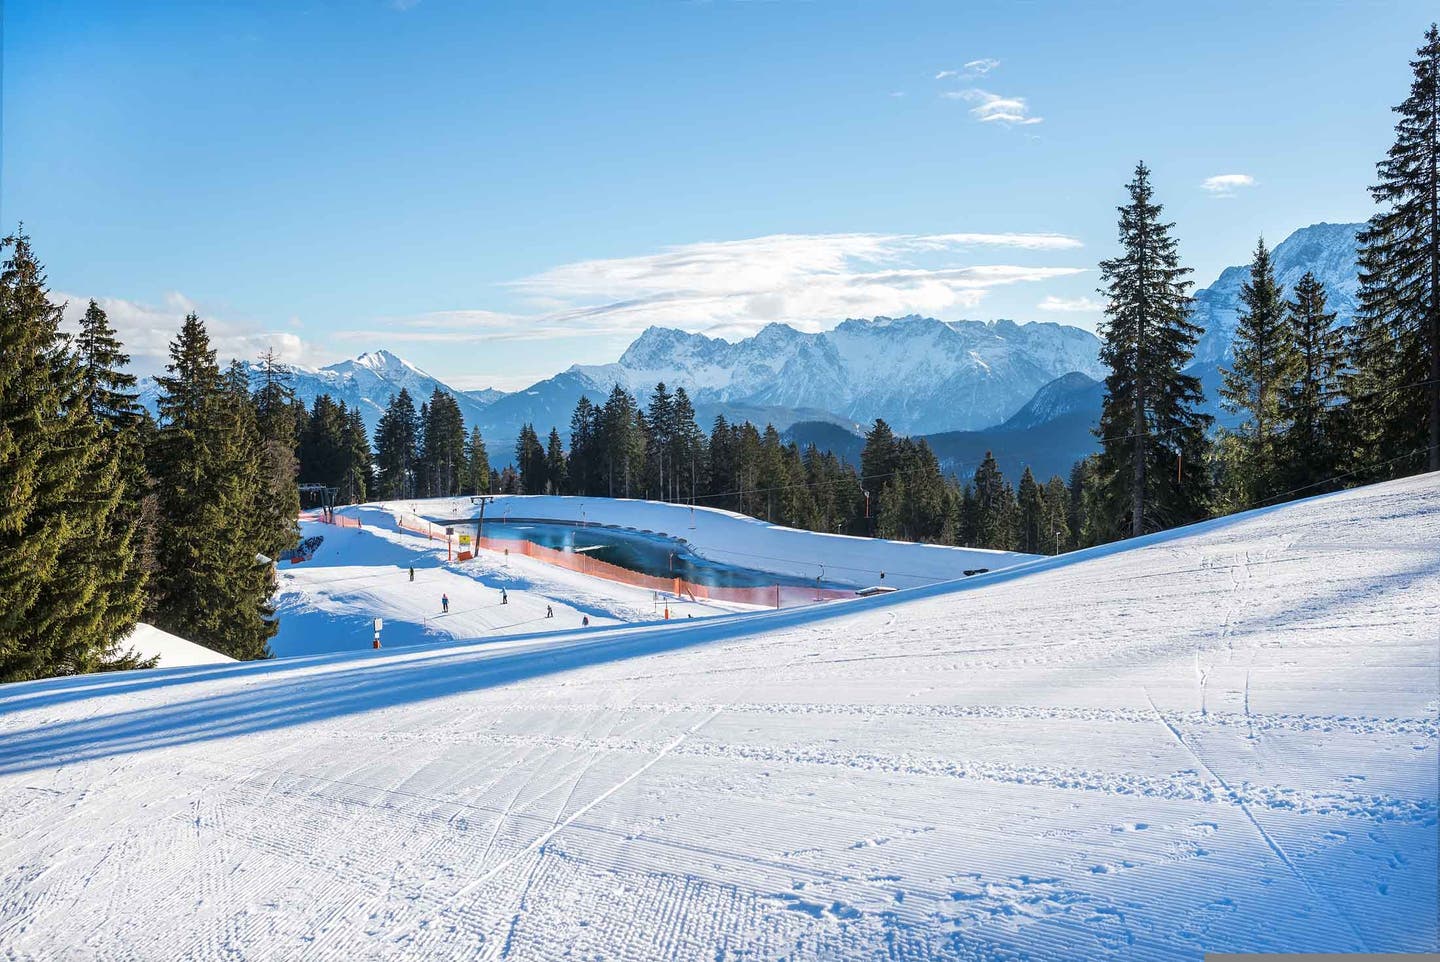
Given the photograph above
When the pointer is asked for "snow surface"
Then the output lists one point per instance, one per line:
(1222, 738)
(172, 650)
(742, 541)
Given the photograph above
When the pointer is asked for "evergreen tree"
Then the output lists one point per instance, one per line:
(359, 477)
(994, 525)
(274, 406)
(397, 437)
(477, 464)
(622, 445)
(1256, 382)
(530, 462)
(62, 483)
(1394, 344)
(585, 466)
(210, 585)
(660, 449)
(1150, 423)
(723, 468)
(442, 445)
(687, 449)
(1055, 531)
(555, 471)
(1030, 530)
(121, 554)
(1311, 448)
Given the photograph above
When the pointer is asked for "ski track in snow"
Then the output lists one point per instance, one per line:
(1221, 739)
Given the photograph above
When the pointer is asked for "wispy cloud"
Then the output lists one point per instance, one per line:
(992, 108)
(733, 288)
(1225, 185)
(146, 330)
(973, 68)
(1076, 305)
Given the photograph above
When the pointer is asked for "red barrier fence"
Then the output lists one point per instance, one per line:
(764, 596)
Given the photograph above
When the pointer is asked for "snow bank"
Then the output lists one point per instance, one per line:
(172, 650)
(735, 539)
(1221, 739)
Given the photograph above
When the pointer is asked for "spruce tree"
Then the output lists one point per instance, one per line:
(397, 438)
(1259, 376)
(477, 464)
(555, 471)
(530, 461)
(275, 421)
(61, 484)
(585, 466)
(1394, 343)
(214, 504)
(1311, 448)
(1031, 515)
(994, 525)
(1055, 531)
(1151, 465)
(120, 555)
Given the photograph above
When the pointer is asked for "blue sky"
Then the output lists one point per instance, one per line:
(499, 190)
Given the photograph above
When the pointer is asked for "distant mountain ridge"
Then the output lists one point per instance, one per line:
(965, 384)
(366, 382)
(918, 373)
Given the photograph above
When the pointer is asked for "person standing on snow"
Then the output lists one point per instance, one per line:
(585, 621)
(412, 572)
(445, 603)
(504, 598)
(549, 612)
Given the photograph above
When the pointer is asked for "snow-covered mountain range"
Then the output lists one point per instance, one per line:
(924, 376)
(918, 373)
(366, 382)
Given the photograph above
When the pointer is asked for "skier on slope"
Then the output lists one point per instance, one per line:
(445, 603)
(585, 621)
(412, 572)
(504, 598)
(549, 611)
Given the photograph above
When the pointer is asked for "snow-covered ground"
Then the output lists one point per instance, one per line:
(1223, 738)
(329, 603)
(172, 650)
(742, 541)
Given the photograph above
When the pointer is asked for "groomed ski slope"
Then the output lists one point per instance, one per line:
(1221, 738)
(329, 603)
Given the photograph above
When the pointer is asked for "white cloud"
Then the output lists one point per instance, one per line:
(146, 331)
(974, 68)
(1070, 304)
(1225, 185)
(733, 288)
(993, 108)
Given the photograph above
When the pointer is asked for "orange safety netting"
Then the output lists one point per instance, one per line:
(763, 596)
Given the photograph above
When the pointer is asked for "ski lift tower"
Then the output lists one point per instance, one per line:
(481, 500)
(327, 498)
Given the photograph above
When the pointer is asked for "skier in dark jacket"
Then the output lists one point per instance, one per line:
(445, 604)
(412, 572)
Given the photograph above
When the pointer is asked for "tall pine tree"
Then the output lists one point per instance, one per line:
(1153, 432)
(60, 484)
(1311, 447)
(1394, 386)
(210, 585)
(1258, 378)
(397, 438)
